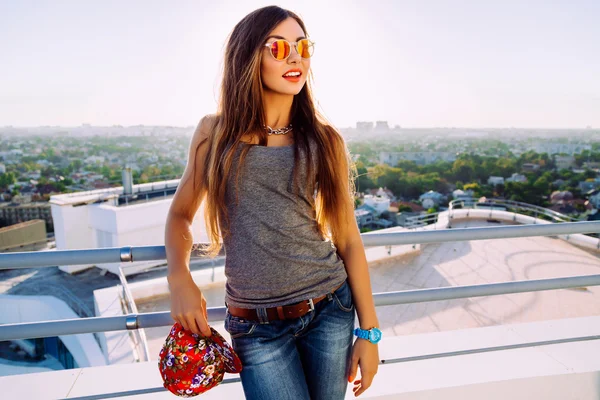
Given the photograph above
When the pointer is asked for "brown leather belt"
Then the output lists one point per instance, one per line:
(282, 312)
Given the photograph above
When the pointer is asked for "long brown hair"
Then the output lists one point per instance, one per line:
(241, 112)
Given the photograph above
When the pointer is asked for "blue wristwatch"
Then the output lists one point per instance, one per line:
(373, 335)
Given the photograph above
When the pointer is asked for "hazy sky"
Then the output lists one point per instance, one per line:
(479, 63)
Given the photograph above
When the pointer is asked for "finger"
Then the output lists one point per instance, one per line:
(359, 392)
(366, 381)
(205, 312)
(203, 324)
(183, 323)
(191, 322)
(353, 368)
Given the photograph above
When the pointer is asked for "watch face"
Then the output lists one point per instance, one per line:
(374, 335)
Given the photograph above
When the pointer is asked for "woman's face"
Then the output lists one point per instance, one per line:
(273, 71)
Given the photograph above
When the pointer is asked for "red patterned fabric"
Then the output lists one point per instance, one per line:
(190, 364)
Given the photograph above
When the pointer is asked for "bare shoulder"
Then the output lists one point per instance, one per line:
(205, 128)
(188, 197)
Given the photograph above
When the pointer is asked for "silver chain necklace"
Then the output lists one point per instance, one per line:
(280, 131)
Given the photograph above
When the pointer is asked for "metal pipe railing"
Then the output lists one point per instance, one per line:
(461, 234)
(150, 320)
(417, 221)
(139, 335)
(150, 253)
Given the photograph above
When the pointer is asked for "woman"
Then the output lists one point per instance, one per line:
(278, 184)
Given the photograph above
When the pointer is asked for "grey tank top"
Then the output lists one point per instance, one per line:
(274, 254)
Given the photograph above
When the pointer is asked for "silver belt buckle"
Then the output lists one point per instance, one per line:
(311, 305)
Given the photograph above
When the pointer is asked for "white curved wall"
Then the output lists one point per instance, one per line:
(445, 218)
(21, 309)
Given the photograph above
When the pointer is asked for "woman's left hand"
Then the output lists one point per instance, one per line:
(365, 354)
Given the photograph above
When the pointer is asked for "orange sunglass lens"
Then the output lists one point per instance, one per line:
(304, 48)
(280, 49)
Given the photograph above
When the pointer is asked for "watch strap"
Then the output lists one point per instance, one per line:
(361, 333)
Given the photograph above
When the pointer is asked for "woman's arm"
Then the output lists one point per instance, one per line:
(352, 251)
(188, 305)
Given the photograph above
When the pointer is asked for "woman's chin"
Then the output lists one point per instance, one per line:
(291, 91)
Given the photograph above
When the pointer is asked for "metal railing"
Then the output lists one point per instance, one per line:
(514, 206)
(148, 320)
(418, 221)
(138, 336)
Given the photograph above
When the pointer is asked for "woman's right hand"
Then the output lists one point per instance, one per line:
(188, 305)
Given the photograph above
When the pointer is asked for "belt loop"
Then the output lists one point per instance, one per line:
(280, 313)
(263, 318)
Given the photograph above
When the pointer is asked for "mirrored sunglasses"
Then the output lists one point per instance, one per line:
(281, 49)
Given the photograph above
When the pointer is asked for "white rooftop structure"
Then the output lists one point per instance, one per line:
(113, 218)
(380, 204)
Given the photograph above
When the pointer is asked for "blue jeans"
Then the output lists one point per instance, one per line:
(301, 358)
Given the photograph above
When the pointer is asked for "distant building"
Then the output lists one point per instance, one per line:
(517, 178)
(14, 213)
(24, 236)
(383, 223)
(560, 148)
(378, 203)
(594, 198)
(34, 174)
(561, 197)
(381, 127)
(414, 207)
(529, 167)
(402, 218)
(381, 192)
(364, 218)
(495, 180)
(591, 165)
(431, 199)
(419, 158)
(364, 126)
(94, 160)
(586, 186)
(463, 195)
(564, 162)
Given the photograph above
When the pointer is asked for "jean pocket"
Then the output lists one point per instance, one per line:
(238, 327)
(343, 297)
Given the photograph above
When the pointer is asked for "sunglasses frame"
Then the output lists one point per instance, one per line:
(292, 44)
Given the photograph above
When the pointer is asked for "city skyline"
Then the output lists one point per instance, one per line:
(435, 65)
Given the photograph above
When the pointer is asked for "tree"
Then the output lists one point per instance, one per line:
(363, 181)
(408, 166)
(7, 179)
(474, 187)
(76, 165)
(463, 170)
(542, 185)
(590, 174)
